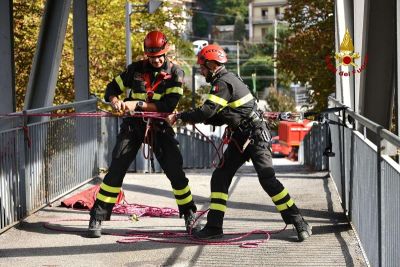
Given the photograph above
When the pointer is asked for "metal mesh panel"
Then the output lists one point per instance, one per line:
(11, 189)
(364, 197)
(63, 155)
(391, 211)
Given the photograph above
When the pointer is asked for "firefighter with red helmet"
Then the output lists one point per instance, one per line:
(156, 86)
(230, 102)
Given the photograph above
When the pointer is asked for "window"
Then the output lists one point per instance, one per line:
(264, 13)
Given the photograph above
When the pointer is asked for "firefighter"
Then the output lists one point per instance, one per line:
(156, 86)
(230, 102)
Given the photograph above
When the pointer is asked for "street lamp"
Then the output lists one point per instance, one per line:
(150, 7)
(275, 54)
(276, 21)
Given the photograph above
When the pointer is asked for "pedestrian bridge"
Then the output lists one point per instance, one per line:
(345, 183)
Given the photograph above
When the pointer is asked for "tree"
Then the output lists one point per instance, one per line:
(280, 102)
(200, 25)
(262, 66)
(106, 19)
(302, 54)
(239, 31)
(265, 51)
(186, 103)
(228, 10)
(27, 15)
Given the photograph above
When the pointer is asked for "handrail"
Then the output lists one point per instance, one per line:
(63, 106)
(384, 133)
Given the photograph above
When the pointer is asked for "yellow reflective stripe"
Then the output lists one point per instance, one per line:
(184, 201)
(285, 206)
(141, 96)
(219, 195)
(120, 83)
(106, 199)
(157, 96)
(217, 99)
(220, 109)
(219, 207)
(181, 191)
(280, 195)
(176, 90)
(110, 189)
(241, 101)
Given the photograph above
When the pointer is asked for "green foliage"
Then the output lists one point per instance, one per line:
(106, 19)
(27, 16)
(280, 102)
(240, 28)
(311, 40)
(262, 66)
(267, 46)
(186, 102)
(261, 59)
(229, 8)
(200, 25)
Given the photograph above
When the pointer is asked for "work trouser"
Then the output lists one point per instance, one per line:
(166, 150)
(260, 154)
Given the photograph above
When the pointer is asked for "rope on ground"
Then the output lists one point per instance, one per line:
(174, 237)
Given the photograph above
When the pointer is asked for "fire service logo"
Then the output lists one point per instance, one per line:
(346, 58)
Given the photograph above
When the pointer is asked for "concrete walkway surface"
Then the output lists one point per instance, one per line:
(333, 243)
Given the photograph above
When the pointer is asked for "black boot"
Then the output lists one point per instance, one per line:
(190, 218)
(94, 230)
(302, 227)
(209, 233)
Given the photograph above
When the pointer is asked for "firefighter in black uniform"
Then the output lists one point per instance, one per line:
(156, 86)
(230, 102)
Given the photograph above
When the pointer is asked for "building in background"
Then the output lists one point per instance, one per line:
(262, 14)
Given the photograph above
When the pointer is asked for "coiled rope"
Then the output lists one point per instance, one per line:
(175, 237)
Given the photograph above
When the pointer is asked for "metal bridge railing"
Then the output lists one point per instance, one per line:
(367, 179)
(42, 161)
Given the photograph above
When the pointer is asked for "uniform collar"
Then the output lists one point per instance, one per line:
(218, 74)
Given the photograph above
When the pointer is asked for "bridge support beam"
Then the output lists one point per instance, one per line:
(376, 102)
(7, 78)
(46, 62)
(81, 50)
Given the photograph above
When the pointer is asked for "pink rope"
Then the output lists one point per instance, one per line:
(137, 114)
(173, 237)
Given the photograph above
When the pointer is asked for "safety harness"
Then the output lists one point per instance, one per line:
(151, 87)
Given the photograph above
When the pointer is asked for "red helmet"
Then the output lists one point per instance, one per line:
(212, 52)
(155, 44)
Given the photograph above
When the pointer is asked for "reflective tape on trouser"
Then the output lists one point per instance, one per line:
(282, 200)
(183, 196)
(108, 194)
(218, 201)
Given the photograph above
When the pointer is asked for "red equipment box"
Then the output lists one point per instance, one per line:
(292, 133)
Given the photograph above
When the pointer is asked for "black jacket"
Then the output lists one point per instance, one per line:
(167, 94)
(229, 102)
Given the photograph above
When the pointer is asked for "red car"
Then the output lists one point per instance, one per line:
(278, 149)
